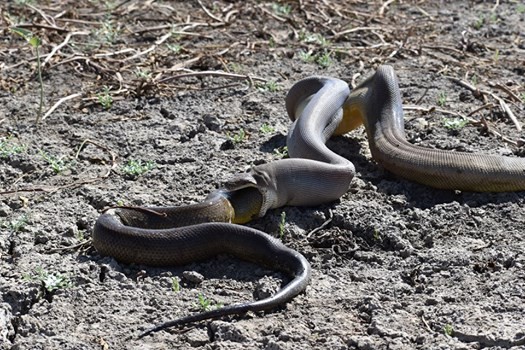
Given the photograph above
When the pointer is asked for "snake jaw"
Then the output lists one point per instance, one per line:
(247, 197)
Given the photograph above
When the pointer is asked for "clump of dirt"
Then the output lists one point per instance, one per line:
(150, 103)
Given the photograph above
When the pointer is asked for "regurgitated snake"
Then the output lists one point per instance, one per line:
(320, 107)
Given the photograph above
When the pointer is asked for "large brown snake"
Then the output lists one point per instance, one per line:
(313, 175)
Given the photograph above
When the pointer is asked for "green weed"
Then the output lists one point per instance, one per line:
(142, 74)
(57, 164)
(314, 38)
(480, 21)
(454, 123)
(448, 330)
(104, 98)
(282, 224)
(35, 42)
(266, 128)
(206, 304)
(50, 281)
(271, 86)
(9, 149)
(175, 48)
(107, 32)
(324, 60)
(134, 168)
(238, 137)
(307, 57)
(281, 9)
(442, 99)
(520, 8)
(16, 225)
(175, 284)
(281, 152)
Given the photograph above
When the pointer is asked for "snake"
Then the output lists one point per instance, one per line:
(320, 107)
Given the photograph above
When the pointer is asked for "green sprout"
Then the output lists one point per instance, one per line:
(238, 137)
(136, 168)
(50, 281)
(16, 225)
(324, 60)
(376, 236)
(142, 74)
(266, 128)
(8, 149)
(57, 164)
(175, 48)
(455, 123)
(479, 22)
(282, 224)
(271, 86)
(448, 330)
(307, 57)
(442, 99)
(35, 42)
(281, 152)
(315, 38)
(205, 304)
(104, 98)
(175, 284)
(281, 9)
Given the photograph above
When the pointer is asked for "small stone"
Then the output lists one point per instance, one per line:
(212, 122)
(193, 277)
(5, 210)
(197, 337)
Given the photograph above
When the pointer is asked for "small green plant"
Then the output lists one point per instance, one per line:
(281, 9)
(474, 80)
(142, 74)
(454, 123)
(234, 67)
(271, 86)
(266, 128)
(314, 38)
(104, 98)
(175, 284)
(442, 99)
(495, 57)
(35, 42)
(307, 57)
(520, 8)
(448, 330)
(523, 97)
(107, 32)
(15, 225)
(479, 22)
(282, 224)
(9, 149)
(136, 168)
(238, 137)
(175, 48)
(206, 304)
(50, 281)
(324, 60)
(281, 152)
(376, 236)
(57, 164)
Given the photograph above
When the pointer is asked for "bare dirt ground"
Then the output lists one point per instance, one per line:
(396, 265)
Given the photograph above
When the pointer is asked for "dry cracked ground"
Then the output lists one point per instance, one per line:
(158, 102)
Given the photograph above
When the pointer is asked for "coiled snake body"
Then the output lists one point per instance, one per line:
(320, 107)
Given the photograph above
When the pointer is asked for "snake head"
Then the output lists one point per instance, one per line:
(246, 197)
